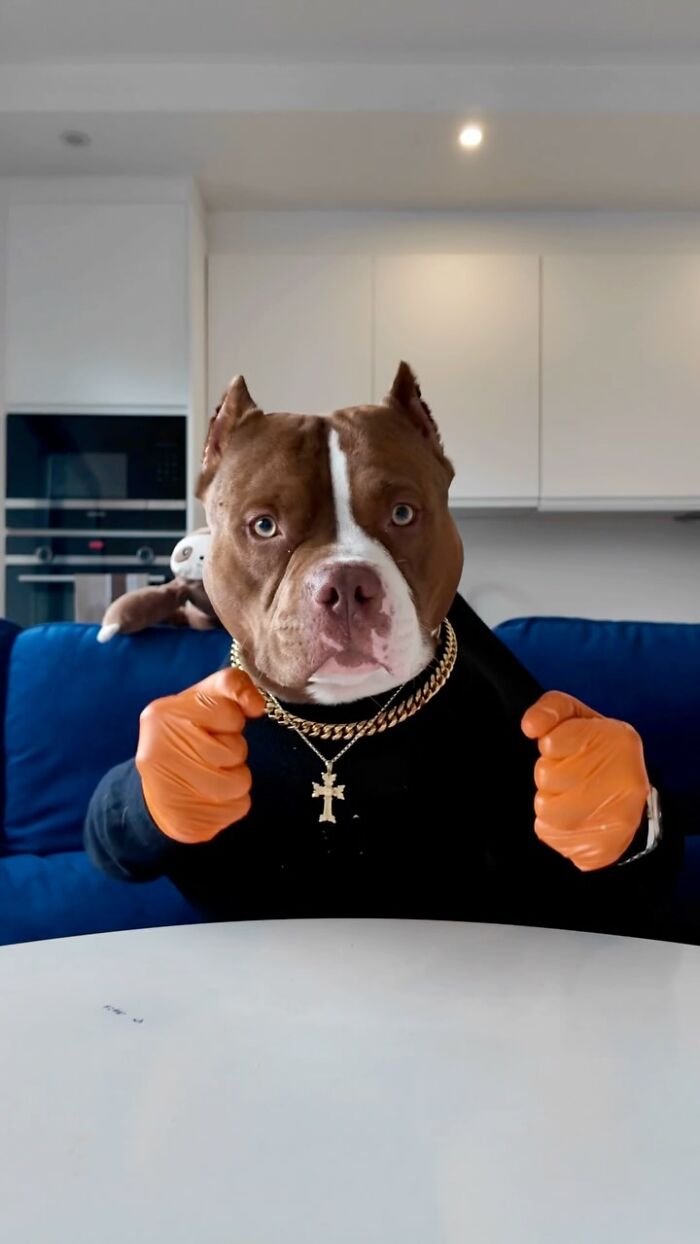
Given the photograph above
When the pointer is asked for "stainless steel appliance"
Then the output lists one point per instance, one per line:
(94, 505)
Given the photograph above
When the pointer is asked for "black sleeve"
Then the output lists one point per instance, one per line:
(120, 835)
(122, 839)
(538, 886)
(635, 899)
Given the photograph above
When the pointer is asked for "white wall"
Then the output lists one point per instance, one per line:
(587, 565)
(616, 566)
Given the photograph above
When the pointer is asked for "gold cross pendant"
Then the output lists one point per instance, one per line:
(328, 791)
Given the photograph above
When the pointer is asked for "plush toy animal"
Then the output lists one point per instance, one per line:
(181, 602)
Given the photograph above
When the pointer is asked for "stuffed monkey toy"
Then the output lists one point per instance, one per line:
(182, 602)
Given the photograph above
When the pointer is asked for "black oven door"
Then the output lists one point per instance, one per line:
(33, 597)
(39, 594)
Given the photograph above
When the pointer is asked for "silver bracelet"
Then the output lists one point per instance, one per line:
(654, 829)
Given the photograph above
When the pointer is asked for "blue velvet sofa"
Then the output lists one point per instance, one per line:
(69, 710)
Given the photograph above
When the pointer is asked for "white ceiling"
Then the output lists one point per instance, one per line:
(390, 160)
(469, 31)
(357, 103)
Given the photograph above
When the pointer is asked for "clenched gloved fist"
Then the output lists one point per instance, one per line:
(592, 783)
(192, 756)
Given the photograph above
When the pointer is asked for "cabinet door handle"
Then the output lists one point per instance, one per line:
(46, 578)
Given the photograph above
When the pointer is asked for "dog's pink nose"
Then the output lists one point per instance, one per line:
(349, 593)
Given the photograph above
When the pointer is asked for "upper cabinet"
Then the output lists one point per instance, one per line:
(298, 327)
(469, 326)
(592, 377)
(97, 309)
(621, 381)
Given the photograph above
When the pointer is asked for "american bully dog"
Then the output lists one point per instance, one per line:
(373, 749)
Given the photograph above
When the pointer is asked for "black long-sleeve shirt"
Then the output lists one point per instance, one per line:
(436, 821)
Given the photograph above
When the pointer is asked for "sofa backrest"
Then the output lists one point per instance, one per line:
(8, 633)
(647, 673)
(72, 712)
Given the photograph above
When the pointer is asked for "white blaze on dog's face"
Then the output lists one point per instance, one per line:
(397, 647)
(333, 555)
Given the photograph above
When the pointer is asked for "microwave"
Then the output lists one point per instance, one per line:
(72, 461)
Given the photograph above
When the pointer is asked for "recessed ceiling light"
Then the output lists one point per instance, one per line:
(75, 138)
(471, 137)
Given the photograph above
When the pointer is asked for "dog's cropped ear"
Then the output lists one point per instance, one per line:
(406, 395)
(235, 406)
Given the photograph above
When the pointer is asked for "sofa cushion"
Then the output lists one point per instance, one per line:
(647, 673)
(72, 713)
(64, 895)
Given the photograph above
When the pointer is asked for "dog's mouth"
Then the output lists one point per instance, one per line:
(346, 673)
(339, 673)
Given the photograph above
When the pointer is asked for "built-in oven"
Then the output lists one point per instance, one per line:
(94, 505)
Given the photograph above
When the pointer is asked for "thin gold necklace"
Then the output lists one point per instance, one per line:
(390, 714)
(327, 790)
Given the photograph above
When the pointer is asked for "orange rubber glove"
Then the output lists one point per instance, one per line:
(192, 756)
(592, 783)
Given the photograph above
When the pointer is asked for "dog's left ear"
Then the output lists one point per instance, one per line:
(235, 406)
(405, 393)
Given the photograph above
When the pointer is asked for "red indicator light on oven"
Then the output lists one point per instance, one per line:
(96, 544)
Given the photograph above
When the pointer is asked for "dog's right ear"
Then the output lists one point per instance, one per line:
(235, 406)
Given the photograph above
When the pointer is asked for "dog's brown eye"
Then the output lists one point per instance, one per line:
(265, 526)
(403, 515)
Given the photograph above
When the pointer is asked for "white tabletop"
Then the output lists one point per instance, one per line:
(349, 1082)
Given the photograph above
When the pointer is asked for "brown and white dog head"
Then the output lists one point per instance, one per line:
(333, 554)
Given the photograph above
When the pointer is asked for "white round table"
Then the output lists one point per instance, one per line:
(349, 1082)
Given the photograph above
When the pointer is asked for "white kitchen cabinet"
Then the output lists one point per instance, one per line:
(621, 381)
(96, 306)
(299, 328)
(469, 326)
